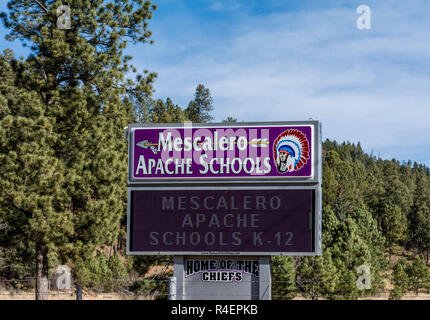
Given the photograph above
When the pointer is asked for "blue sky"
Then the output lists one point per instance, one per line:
(299, 59)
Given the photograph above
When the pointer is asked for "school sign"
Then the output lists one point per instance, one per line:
(225, 189)
(214, 152)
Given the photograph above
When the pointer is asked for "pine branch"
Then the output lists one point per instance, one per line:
(41, 5)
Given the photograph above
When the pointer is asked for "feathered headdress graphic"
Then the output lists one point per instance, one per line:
(290, 151)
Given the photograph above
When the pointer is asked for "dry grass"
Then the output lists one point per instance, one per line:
(155, 270)
(55, 295)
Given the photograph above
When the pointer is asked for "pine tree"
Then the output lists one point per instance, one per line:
(69, 152)
(94, 272)
(165, 112)
(199, 109)
(348, 243)
(341, 184)
(392, 206)
(33, 201)
(318, 276)
(399, 279)
(419, 218)
(230, 120)
(283, 278)
(376, 243)
(418, 274)
(16, 258)
(349, 251)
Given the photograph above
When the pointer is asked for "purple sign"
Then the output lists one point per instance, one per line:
(240, 152)
(220, 221)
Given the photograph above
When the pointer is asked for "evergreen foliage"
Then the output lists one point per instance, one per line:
(230, 120)
(283, 278)
(165, 112)
(418, 275)
(63, 110)
(400, 280)
(63, 165)
(199, 109)
(102, 272)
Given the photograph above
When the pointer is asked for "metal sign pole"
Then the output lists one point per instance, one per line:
(178, 273)
(265, 288)
(172, 288)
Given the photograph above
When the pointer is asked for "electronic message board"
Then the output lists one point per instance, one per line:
(240, 152)
(224, 220)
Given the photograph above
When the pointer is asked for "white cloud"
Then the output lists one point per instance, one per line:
(219, 5)
(369, 86)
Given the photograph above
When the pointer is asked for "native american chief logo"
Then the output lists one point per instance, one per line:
(290, 151)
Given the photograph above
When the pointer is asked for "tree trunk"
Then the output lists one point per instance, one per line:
(41, 273)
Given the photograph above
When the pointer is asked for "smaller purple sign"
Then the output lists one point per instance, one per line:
(219, 221)
(220, 152)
